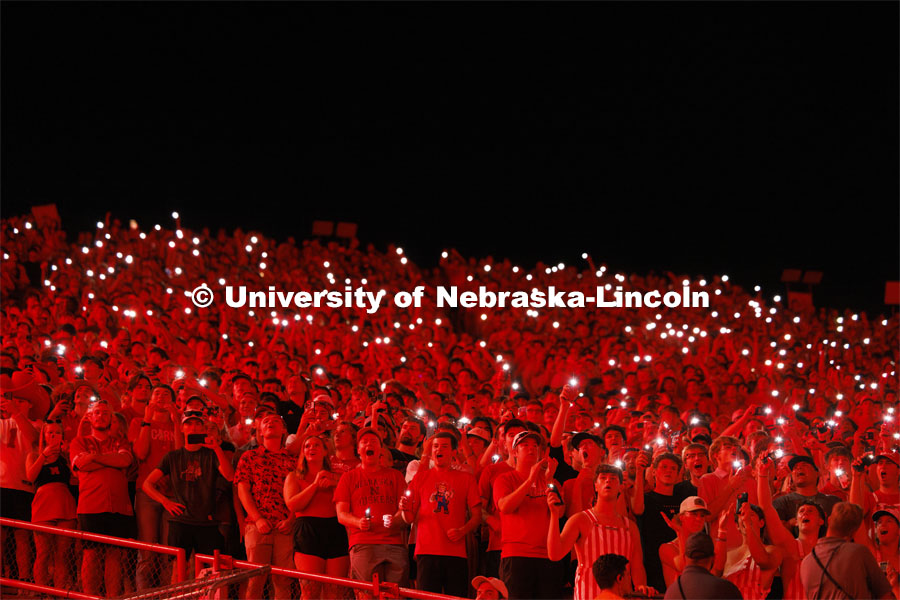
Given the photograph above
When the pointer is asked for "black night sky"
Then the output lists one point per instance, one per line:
(702, 138)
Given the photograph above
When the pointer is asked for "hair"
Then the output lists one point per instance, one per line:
(845, 519)
(421, 425)
(512, 423)
(446, 435)
(136, 379)
(608, 569)
(720, 441)
(303, 466)
(667, 456)
(838, 451)
(42, 437)
(610, 469)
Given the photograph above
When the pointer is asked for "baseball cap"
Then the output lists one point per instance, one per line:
(692, 503)
(699, 546)
(494, 583)
(801, 459)
(325, 399)
(884, 513)
(521, 437)
(584, 435)
(893, 457)
(481, 433)
(367, 431)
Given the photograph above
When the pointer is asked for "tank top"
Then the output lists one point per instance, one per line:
(602, 539)
(53, 499)
(795, 589)
(747, 576)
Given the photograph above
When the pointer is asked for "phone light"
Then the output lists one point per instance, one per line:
(573, 382)
(179, 374)
(248, 421)
(737, 464)
(495, 458)
(619, 464)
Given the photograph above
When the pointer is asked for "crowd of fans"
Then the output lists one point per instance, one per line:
(744, 450)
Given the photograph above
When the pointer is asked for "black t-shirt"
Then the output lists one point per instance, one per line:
(291, 413)
(686, 488)
(564, 470)
(402, 459)
(655, 532)
(193, 477)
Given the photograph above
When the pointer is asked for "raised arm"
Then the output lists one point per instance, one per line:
(778, 533)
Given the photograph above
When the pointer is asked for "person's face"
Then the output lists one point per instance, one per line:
(160, 399)
(696, 462)
(608, 486)
(343, 436)
(247, 405)
(410, 433)
(754, 521)
(486, 591)
(193, 426)
(887, 473)
(272, 428)
(101, 417)
(91, 371)
(141, 392)
(240, 387)
(693, 520)
(314, 449)
(320, 411)
(510, 436)
(613, 439)
(591, 452)
(839, 462)
(550, 413)
(667, 472)
(369, 448)
(534, 413)
(83, 398)
(803, 474)
(887, 530)
(53, 435)
(477, 445)
(726, 455)
(808, 519)
(442, 452)
(528, 451)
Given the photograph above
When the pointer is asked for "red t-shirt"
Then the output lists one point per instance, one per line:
(322, 503)
(105, 489)
(442, 500)
(378, 491)
(486, 490)
(524, 530)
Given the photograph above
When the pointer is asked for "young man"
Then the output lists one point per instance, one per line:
(521, 497)
(886, 497)
(805, 476)
(412, 432)
(578, 493)
(696, 582)
(490, 473)
(695, 458)
(260, 479)
(836, 481)
(193, 472)
(489, 588)
(810, 518)
(596, 531)
(445, 505)
(367, 501)
(653, 508)
(100, 461)
(609, 572)
(154, 437)
(719, 488)
(839, 568)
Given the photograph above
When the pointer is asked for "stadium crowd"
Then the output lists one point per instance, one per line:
(747, 450)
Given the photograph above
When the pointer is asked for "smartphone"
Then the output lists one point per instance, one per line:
(740, 502)
(196, 438)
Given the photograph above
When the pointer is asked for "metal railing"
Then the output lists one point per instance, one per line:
(82, 537)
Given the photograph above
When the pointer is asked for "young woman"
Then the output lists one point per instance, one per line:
(53, 504)
(320, 542)
(690, 519)
(752, 565)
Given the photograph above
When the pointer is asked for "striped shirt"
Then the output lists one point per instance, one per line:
(602, 539)
(747, 576)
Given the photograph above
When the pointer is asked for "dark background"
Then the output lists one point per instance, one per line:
(703, 138)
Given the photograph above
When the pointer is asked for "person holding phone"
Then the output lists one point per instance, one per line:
(193, 472)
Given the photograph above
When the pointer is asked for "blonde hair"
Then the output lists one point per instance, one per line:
(845, 519)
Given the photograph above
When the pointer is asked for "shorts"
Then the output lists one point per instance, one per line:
(527, 577)
(204, 539)
(320, 536)
(390, 561)
(443, 574)
(106, 523)
(15, 504)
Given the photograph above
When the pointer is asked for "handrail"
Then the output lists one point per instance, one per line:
(178, 553)
(225, 561)
(46, 589)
